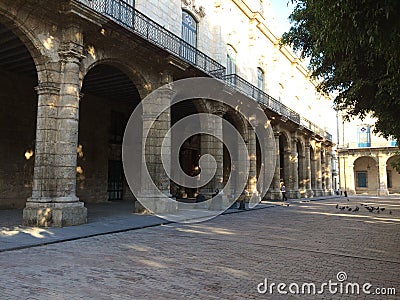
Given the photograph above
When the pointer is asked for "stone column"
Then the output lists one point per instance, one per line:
(328, 172)
(54, 201)
(293, 184)
(382, 175)
(318, 170)
(251, 148)
(275, 188)
(307, 169)
(155, 130)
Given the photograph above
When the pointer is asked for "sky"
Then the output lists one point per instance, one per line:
(281, 11)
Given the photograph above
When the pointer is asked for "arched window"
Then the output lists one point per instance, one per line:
(189, 35)
(230, 60)
(260, 79)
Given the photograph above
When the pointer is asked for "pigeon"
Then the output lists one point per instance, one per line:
(349, 209)
(356, 209)
(382, 209)
(342, 208)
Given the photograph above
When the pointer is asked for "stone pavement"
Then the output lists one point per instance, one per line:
(103, 218)
(224, 258)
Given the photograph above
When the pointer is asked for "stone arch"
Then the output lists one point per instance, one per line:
(142, 84)
(393, 175)
(109, 97)
(21, 62)
(30, 40)
(366, 175)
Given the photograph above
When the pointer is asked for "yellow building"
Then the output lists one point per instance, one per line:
(365, 159)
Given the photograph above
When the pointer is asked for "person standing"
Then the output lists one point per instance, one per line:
(283, 191)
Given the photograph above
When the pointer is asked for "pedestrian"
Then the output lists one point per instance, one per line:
(242, 200)
(345, 193)
(283, 191)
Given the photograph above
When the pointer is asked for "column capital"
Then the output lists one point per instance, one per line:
(71, 52)
(48, 88)
(166, 77)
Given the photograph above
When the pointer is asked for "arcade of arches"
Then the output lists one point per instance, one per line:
(369, 171)
(69, 93)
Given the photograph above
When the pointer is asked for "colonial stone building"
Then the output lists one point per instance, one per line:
(365, 159)
(72, 72)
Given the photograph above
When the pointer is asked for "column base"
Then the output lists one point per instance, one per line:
(276, 195)
(318, 193)
(155, 204)
(383, 192)
(53, 214)
(293, 194)
(309, 193)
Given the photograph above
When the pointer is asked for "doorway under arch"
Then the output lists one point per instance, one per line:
(19, 101)
(109, 98)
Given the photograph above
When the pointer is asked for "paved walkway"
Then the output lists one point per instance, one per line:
(103, 218)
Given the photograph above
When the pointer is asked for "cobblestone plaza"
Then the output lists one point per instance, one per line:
(225, 258)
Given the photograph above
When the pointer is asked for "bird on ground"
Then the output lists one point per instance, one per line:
(356, 209)
(349, 209)
(342, 208)
(382, 209)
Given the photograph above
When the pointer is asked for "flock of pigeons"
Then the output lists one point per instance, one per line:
(371, 209)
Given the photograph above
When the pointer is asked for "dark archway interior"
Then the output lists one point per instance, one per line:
(189, 152)
(313, 175)
(109, 98)
(18, 99)
(284, 162)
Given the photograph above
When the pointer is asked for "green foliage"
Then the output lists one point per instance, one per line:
(354, 51)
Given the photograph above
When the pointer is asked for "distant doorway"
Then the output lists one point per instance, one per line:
(115, 180)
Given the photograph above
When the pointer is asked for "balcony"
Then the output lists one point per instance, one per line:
(128, 17)
(261, 97)
(131, 19)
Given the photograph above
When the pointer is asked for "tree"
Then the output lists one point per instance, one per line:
(354, 51)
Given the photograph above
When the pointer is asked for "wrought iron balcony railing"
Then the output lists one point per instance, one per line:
(125, 15)
(128, 17)
(261, 97)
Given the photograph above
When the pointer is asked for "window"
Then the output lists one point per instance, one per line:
(231, 60)
(189, 35)
(363, 136)
(261, 6)
(260, 79)
(362, 179)
(389, 179)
